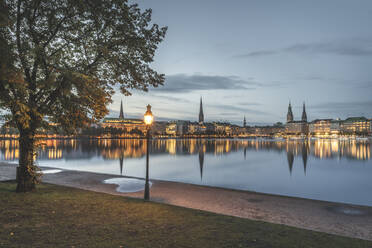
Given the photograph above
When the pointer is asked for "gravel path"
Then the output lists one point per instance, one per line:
(341, 219)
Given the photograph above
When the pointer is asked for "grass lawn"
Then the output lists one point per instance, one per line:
(56, 216)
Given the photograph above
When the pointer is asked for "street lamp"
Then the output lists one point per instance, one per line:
(148, 118)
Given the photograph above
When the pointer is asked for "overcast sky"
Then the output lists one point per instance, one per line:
(250, 57)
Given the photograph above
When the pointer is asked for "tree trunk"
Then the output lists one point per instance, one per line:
(27, 174)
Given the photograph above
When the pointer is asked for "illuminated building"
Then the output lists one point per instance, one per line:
(127, 124)
(177, 128)
(237, 130)
(159, 127)
(171, 129)
(203, 128)
(182, 127)
(193, 128)
(222, 128)
(122, 123)
(267, 130)
(320, 127)
(336, 127)
(325, 127)
(356, 125)
(293, 127)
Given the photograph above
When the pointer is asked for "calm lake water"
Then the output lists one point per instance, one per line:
(323, 169)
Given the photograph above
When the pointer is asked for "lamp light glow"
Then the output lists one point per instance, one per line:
(148, 117)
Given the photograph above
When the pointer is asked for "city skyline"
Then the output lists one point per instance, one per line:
(305, 53)
(290, 116)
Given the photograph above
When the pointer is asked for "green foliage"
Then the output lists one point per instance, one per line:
(3, 14)
(62, 60)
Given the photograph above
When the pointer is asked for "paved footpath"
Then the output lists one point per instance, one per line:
(335, 218)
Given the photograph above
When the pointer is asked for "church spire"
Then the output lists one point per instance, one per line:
(244, 122)
(201, 114)
(304, 116)
(121, 115)
(289, 114)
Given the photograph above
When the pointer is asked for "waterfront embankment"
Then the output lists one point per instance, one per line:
(334, 218)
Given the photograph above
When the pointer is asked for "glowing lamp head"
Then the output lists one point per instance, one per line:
(148, 117)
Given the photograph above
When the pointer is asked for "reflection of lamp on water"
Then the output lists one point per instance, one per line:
(121, 161)
(148, 119)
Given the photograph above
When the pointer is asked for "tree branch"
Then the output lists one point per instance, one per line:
(19, 46)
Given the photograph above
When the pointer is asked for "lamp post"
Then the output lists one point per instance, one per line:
(148, 119)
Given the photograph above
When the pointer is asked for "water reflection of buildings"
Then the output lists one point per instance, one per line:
(117, 148)
(9, 149)
(290, 158)
(295, 149)
(305, 152)
(136, 148)
(201, 160)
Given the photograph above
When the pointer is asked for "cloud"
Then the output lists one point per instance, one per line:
(364, 85)
(344, 109)
(353, 47)
(115, 114)
(256, 54)
(183, 83)
(312, 78)
(342, 105)
(239, 109)
(346, 48)
(172, 98)
(249, 103)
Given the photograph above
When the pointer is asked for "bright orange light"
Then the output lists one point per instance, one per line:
(148, 119)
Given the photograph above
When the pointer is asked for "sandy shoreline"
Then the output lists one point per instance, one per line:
(335, 218)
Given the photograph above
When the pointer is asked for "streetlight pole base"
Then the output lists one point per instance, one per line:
(147, 192)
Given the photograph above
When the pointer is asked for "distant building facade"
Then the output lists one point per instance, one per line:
(316, 128)
(122, 123)
(293, 127)
(349, 126)
(356, 126)
(159, 127)
(322, 127)
(193, 128)
(171, 129)
(177, 128)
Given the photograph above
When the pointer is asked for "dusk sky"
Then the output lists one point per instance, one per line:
(251, 57)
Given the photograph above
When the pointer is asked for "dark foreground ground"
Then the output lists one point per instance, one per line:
(56, 216)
